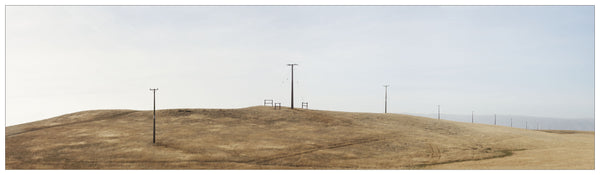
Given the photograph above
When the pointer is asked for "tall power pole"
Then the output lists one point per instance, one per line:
(292, 83)
(511, 122)
(386, 86)
(438, 112)
(154, 117)
(472, 116)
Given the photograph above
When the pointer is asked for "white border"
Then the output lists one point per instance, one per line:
(294, 2)
(299, 2)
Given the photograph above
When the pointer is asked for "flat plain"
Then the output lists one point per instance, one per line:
(263, 138)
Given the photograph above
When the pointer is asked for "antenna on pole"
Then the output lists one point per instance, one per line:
(292, 106)
(154, 116)
(386, 86)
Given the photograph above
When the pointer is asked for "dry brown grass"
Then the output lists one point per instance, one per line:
(263, 138)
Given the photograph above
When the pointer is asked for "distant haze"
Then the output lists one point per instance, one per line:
(518, 60)
(518, 121)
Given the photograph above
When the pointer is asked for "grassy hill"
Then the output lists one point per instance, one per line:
(264, 138)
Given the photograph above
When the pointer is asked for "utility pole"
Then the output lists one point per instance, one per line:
(386, 86)
(526, 125)
(472, 116)
(154, 117)
(494, 119)
(292, 106)
(511, 122)
(438, 112)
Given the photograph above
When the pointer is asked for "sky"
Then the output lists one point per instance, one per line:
(517, 60)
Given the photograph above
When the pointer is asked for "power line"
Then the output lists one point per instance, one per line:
(154, 116)
(292, 106)
(386, 86)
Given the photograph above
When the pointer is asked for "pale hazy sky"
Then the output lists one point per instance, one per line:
(519, 60)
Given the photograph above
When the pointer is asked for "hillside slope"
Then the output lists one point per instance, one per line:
(264, 138)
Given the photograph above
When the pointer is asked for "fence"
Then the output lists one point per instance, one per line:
(277, 105)
(304, 104)
(268, 101)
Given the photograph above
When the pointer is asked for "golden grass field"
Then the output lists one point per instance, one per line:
(264, 138)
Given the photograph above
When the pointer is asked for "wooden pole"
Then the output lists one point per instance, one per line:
(292, 106)
(438, 112)
(386, 86)
(154, 116)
